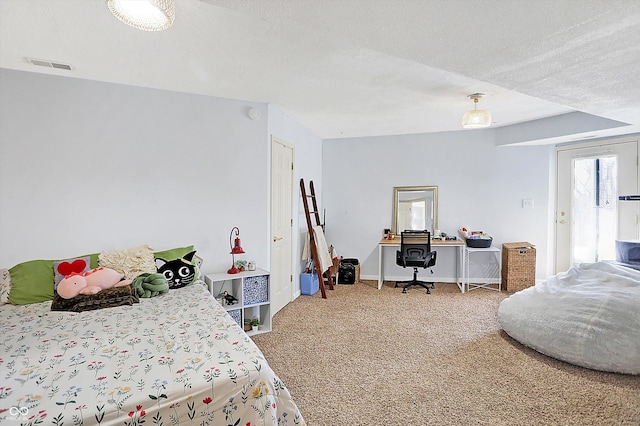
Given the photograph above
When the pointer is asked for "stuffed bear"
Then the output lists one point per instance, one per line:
(90, 282)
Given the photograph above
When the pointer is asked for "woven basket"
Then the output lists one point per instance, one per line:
(518, 266)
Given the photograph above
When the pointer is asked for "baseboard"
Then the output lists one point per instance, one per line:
(423, 277)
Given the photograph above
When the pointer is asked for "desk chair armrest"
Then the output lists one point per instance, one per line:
(431, 259)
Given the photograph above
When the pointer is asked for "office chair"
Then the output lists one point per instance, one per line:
(415, 252)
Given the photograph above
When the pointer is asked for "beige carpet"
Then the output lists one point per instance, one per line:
(369, 357)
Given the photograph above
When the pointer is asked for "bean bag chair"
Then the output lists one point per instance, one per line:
(588, 316)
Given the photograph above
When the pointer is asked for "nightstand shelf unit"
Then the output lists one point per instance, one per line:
(252, 289)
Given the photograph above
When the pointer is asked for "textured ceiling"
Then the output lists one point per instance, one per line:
(357, 67)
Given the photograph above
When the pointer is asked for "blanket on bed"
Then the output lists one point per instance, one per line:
(107, 298)
(178, 358)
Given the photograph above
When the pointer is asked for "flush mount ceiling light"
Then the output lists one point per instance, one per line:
(147, 15)
(476, 118)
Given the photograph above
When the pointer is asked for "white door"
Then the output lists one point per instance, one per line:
(281, 224)
(589, 216)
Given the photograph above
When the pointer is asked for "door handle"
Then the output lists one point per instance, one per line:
(562, 222)
(276, 239)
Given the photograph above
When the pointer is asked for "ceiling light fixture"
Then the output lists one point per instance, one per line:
(147, 15)
(476, 118)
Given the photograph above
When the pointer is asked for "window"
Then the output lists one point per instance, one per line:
(595, 212)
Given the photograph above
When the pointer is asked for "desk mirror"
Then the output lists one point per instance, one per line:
(415, 207)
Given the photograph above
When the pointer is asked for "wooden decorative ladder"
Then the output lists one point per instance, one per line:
(312, 242)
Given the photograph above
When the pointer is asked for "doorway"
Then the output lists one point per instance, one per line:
(282, 156)
(589, 216)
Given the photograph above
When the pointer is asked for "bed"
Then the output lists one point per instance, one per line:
(176, 358)
(588, 316)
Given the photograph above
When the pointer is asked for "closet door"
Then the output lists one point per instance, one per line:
(281, 265)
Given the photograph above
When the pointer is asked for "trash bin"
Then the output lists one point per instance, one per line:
(348, 271)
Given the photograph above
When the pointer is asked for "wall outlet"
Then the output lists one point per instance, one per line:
(527, 203)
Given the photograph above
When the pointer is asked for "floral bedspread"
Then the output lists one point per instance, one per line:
(177, 358)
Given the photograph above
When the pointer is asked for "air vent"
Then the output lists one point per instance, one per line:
(61, 66)
(50, 64)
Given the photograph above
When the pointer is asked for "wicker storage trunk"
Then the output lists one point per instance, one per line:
(518, 266)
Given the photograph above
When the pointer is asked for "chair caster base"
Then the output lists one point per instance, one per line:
(408, 284)
(404, 291)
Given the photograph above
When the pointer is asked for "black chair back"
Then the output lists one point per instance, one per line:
(415, 248)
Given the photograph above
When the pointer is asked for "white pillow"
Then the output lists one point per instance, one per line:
(131, 262)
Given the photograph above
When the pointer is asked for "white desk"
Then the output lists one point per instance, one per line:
(457, 246)
(491, 270)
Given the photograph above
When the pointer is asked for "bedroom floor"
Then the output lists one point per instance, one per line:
(369, 357)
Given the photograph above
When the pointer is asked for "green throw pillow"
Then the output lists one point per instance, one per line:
(94, 260)
(172, 254)
(33, 281)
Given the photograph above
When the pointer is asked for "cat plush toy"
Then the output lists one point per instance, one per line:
(178, 272)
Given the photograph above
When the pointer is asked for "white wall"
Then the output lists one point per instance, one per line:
(480, 186)
(88, 166)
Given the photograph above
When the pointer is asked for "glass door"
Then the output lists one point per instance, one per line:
(589, 217)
